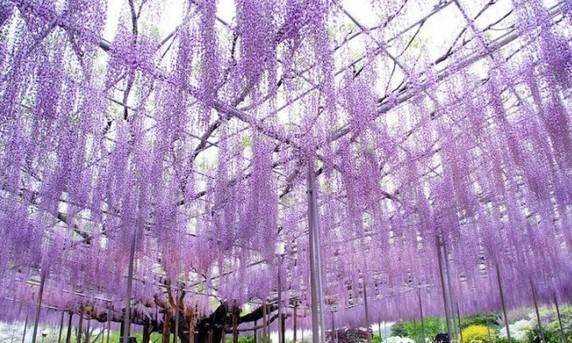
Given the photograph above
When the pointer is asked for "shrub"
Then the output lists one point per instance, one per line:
(478, 333)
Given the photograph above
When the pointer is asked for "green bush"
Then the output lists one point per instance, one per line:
(412, 329)
(487, 319)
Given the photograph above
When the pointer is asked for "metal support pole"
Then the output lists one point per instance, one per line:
(108, 323)
(366, 309)
(459, 323)
(449, 289)
(333, 328)
(295, 323)
(80, 325)
(256, 332)
(127, 319)
(564, 338)
(264, 323)
(43, 275)
(87, 333)
(69, 332)
(61, 327)
(315, 265)
(505, 317)
(25, 327)
(535, 300)
(420, 316)
(280, 326)
(443, 285)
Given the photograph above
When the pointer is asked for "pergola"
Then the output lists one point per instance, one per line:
(311, 160)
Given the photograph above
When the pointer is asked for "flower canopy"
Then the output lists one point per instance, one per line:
(141, 149)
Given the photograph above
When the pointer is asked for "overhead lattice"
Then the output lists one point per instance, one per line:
(178, 145)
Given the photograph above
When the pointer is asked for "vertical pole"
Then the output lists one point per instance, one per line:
(333, 328)
(235, 325)
(126, 318)
(69, 332)
(295, 322)
(264, 323)
(61, 327)
(443, 284)
(280, 324)
(420, 315)
(255, 333)
(564, 338)
(315, 266)
(366, 309)
(449, 289)
(108, 323)
(87, 333)
(80, 325)
(505, 317)
(39, 304)
(535, 301)
(25, 327)
(283, 326)
(459, 323)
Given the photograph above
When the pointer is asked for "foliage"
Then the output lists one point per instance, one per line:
(505, 340)
(551, 326)
(432, 326)
(481, 333)
(490, 319)
(241, 339)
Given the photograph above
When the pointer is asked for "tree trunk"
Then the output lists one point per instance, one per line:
(146, 333)
(166, 326)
